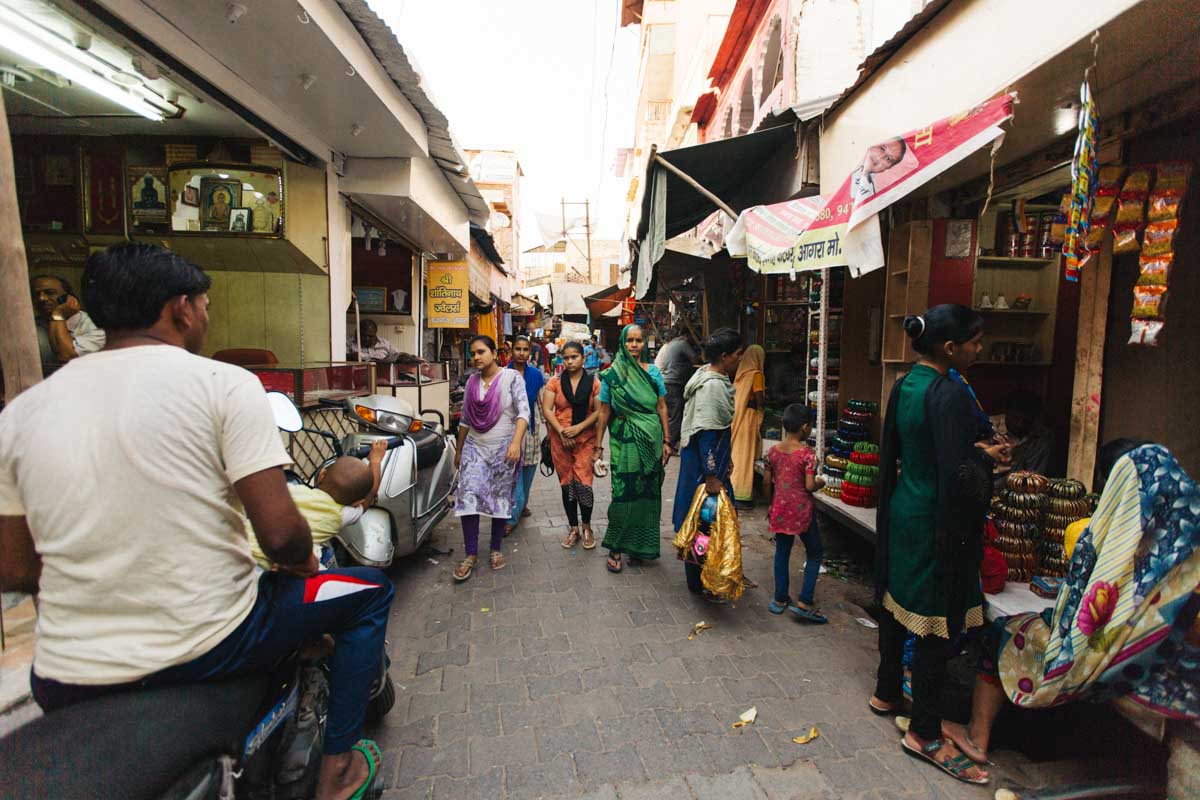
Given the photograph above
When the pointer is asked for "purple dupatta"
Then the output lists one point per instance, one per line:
(482, 415)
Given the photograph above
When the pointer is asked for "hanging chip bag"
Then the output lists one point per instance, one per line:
(1158, 238)
(1172, 176)
(1145, 332)
(1155, 270)
(1148, 301)
(1125, 239)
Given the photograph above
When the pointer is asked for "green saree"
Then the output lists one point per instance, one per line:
(636, 437)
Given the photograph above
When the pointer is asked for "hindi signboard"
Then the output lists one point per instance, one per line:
(447, 304)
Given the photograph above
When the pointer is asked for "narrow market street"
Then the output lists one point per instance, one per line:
(553, 678)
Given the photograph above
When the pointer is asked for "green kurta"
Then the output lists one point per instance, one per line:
(913, 595)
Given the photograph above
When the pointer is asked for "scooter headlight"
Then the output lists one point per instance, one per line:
(384, 420)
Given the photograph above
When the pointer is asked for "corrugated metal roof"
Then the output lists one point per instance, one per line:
(442, 147)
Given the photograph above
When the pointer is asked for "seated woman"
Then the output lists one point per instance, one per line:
(1124, 623)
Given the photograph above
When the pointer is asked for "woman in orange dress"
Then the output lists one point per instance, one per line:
(570, 409)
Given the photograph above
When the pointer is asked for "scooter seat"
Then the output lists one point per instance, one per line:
(430, 447)
(129, 745)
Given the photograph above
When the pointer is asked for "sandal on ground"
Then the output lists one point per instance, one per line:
(963, 741)
(613, 562)
(777, 607)
(525, 512)
(370, 752)
(808, 614)
(884, 709)
(956, 766)
(465, 568)
(589, 538)
(496, 560)
(571, 539)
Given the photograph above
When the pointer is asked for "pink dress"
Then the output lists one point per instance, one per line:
(792, 505)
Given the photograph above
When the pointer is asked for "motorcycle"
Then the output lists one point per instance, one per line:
(417, 480)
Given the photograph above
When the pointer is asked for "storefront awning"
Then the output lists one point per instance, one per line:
(607, 302)
(568, 299)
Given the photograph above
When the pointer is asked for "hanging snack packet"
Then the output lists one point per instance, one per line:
(1155, 270)
(1158, 238)
(1148, 301)
(1145, 332)
(1125, 238)
(1172, 176)
(1131, 208)
(1163, 205)
(1138, 180)
(1102, 208)
(1109, 179)
(1095, 237)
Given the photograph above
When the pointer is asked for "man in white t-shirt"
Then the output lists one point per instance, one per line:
(144, 574)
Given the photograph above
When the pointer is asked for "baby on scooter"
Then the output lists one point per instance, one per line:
(345, 489)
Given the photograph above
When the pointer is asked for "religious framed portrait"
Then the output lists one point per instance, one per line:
(239, 220)
(147, 194)
(218, 198)
(190, 196)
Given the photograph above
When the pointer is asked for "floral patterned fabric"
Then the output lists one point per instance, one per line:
(485, 480)
(1119, 624)
(792, 505)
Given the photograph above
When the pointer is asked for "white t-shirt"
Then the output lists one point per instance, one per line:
(123, 464)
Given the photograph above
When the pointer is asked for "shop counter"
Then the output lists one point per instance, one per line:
(859, 520)
(307, 384)
(431, 394)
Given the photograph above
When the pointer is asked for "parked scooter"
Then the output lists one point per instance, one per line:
(418, 474)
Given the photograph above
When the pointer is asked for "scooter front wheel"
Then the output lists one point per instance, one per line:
(379, 705)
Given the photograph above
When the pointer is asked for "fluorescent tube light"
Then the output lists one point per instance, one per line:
(27, 46)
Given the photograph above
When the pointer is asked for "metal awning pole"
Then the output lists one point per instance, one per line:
(690, 181)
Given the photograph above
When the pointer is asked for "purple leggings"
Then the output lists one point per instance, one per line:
(470, 525)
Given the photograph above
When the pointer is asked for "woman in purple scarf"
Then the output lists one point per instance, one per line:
(495, 419)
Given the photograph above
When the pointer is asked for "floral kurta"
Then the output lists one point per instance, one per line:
(485, 479)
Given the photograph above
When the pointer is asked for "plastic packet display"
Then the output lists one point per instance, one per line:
(1102, 207)
(1148, 301)
(1158, 237)
(1145, 332)
(1108, 180)
(1163, 205)
(1131, 208)
(1172, 176)
(1125, 239)
(1139, 179)
(1058, 229)
(1155, 270)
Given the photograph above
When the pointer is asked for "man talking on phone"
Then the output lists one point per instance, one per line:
(64, 330)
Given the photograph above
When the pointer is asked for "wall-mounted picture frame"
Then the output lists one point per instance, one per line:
(190, 196)
(218, 197)
(371, 299)
(239, 220)
(147, 194)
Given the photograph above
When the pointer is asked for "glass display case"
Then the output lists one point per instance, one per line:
(307, 384)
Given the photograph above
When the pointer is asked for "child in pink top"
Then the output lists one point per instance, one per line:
(790, 480)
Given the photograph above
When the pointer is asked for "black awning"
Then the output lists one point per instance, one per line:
(722, 167)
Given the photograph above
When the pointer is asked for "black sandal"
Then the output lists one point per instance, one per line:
(955, 767)
(613, 562)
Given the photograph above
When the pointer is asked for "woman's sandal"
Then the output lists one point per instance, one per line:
(808, 614)
(572, 539)
(496, 560)
(613, 563)
(883, 710)
(465, 568)
(589, 538)
(955, 767)
(370, 752)
(963, 741)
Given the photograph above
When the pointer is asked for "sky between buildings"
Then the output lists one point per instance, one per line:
(531, 76)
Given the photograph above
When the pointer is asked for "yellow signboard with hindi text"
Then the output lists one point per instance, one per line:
(446, 301)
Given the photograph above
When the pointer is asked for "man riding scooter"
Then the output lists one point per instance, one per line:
(144, 576)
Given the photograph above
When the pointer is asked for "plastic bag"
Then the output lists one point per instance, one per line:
(1158, 238)
(1164, 205)
(1145, 332)
(1155, 270)
(721, 570)
(1131, 209)
(1172, 176)
(1125, 239)
(1139, 179)
(1148, 301)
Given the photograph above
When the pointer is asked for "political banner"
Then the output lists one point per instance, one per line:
(446, 295)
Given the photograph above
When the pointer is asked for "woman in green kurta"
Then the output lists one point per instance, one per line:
(632, 408)
(930, 525)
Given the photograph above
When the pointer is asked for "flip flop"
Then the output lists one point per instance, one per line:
(370, 752)
(610, 561)
(808, 615)
(955, 767)
(883, 712)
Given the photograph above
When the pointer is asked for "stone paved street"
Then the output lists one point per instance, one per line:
(554, 678)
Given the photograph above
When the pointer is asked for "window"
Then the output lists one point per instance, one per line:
(727, 128)
(746, 103)
(772, 64)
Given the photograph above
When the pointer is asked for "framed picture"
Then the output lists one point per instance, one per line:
(147, 194)
(104, 193)
(239, 220)
(218, 197)
(371, 299)
(190, 196)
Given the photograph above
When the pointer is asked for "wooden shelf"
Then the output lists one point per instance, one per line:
(1013, 262)
(787, 303)
(1029, 312)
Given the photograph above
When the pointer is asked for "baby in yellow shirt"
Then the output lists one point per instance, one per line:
(345, 489)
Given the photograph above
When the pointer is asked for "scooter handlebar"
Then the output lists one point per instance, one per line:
(363, 450)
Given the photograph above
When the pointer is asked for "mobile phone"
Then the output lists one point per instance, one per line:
(62, 298)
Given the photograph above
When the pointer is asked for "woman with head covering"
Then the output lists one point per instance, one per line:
(705, 454)
(570, 410)
(1124, 623)
(633, 409)
(930, 526)
(495, 417)
(531, 452)
(749, 400)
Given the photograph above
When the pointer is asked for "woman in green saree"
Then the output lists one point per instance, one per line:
(633, 409)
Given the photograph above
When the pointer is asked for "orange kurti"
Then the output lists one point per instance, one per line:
(574, 464)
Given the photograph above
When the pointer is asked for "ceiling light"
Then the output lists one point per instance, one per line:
(57, 54)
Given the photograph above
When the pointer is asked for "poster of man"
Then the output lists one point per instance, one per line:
(218, 197)
(884, 164)
(148, 194)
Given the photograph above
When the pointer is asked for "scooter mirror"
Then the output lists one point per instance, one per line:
(287, 417)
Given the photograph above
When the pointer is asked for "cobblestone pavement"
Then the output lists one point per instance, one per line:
(554, 678)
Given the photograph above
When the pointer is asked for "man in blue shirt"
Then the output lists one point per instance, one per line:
(591, 359)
